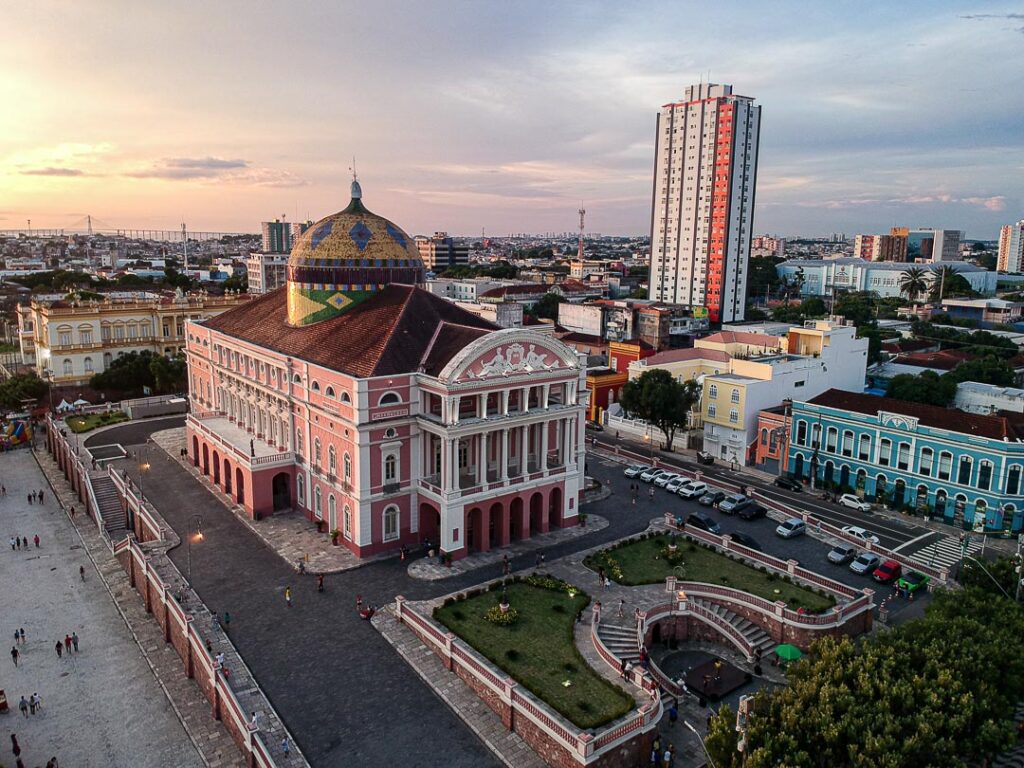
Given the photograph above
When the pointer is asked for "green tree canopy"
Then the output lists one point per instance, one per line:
(928, 387)
(913, 282)
(763, 277)
(547, 306)
(20, 388)
(659, 399)
(132, 372)
(987, 370)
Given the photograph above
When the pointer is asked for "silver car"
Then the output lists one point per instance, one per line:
(662, 480)
(675, 483)
(649, 475)
(865, 563)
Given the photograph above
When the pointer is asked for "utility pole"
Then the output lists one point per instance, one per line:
(579, 250)
(184, 244)
(88, 219)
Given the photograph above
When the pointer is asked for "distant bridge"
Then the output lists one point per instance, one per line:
(167, 235)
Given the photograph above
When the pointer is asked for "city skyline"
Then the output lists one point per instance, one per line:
(486, 117)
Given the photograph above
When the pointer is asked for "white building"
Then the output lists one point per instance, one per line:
(470, 289)
(267, 271)
(986, 399)
(1011, 248)
(820, 277)
(705, 172)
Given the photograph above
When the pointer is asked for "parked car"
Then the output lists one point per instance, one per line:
(865, 562)
(860, 534)
(676, 483)
(747, 541)
(693, 489)
(661, 480)
(851, 501)
(711, 498)
(913, 581)
(648, 475)
(702, 521)
(593, 425)
(788, 483)
(703, 457)
(887, 572)
(791, 528)
(752, 512)
(733, 503)
(635, 470)
(842, 554)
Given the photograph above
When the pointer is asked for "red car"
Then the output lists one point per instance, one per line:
(887, 572)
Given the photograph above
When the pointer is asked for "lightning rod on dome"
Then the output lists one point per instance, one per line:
(357, 191)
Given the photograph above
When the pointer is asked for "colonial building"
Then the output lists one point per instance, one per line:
(391, 415)
(70, 341)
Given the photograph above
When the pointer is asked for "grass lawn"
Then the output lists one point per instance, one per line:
(93, 420)
(538, 650)
(642, 562)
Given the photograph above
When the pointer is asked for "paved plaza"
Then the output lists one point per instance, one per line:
(102, 705)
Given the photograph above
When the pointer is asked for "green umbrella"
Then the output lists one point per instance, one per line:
(788, 652)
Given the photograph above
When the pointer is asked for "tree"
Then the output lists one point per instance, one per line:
(946, 281)
(1002, 570)
(928, 388)
(762, 277)
(986, 370)
(134, 371)
(238, 283)
(913, 282)
(19, 388)
(547, 306)
(859, 307)
(659, 399)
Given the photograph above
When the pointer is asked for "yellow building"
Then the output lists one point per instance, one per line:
(71, 341)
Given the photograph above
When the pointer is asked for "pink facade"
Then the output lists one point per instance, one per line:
(488, 450)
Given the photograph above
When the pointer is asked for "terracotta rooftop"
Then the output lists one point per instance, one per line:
(681, 355)
(1009, 425)
(392, 332)
(743, 337)
(946, 359)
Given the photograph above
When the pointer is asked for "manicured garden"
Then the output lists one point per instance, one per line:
(88, 422)
(648, 561)
(535, 646)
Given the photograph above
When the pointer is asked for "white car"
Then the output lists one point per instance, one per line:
(792, 527)
(635, 470)
(662, 480)
(693, 489)
(851, 501)
(860, 534)
(675, 483)
(648, 475)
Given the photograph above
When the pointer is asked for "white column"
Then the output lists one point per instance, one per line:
(566, 442)
(544, 445)
(504, 454)
(454, 446)
(481, 461)
(545, 394)
(456, 408)
(523, 432)
(524, 394)
(504, 402)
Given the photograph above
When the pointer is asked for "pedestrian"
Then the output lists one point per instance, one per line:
(220, 659)
(31, 704)
(23, 706)
(227, 620)
(38, 701)
(12, 543)
(536, 561)
(666, 758)
(254, 722)
(15, 747)
(17, 542)
(288, 596)
(541, 559)
(3, 490)
(40, 497)
(21, 631)
(17, 637)
(59, 648)
(24, 542)
(14, 655)
(673, 712)
(36, 540)
(650, 493)
(72, 513)
(359, 602)
(286, 747)
(30, 498)
(67, 643)
(81, 572)
(506, 566)
(74, 640)
(320, 583)
(622, 607)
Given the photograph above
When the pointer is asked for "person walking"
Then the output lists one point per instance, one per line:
(23, 706)
(15, 747)
(320, 583)
(36, 540)
(24, 542)
(59, 648)
(32, 704)
(74, 640)
(40, 497)
(288, 596)
(81, 572)
(67, 643)
(30, 498)
(622, 607)
(286, 747)
(17, 542)
(38, 701)
(14, 655)
(22, 633)
(254, 722)
(12, 543)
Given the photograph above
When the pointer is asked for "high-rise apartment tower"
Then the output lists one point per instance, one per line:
(1011, 248)
(705, 170)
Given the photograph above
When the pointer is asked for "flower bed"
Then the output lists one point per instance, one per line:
(537, 648)
(647, 561)
(91, 421)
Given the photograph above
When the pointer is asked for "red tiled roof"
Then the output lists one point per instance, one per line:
(680, 355)
(1010, 425)
(945, 360)
(387, 334)
(582, 338)
(448, 340)
(506, 290)
(743, 337)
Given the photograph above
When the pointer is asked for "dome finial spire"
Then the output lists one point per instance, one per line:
(357, 191)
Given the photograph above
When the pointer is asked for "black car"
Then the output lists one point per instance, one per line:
(711, 498)
(747, 541)
(702, 521)
(788, 483)
(594, 426)
(703, 457)
(752, 512)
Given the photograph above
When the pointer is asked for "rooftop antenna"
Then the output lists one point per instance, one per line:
(357, 191)
(583, 213)
(184, 244)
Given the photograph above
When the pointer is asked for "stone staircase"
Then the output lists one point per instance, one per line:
(756, 636)
(115, 519)
(621, 641)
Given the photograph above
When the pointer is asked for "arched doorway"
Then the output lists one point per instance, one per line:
(206, 459)
(940, 503)
(227, 477)
(862, 482)
(474, 529)
(829, 469)
(921, 500)
(880, 483)
(282, 491)
(536, 513)
(1008, 513)
(844, 476)
(959, 508)
(239, 486)
(216, 468)
(499, 525)
(980, 513)
(555, 508)
(430, 524)
(195, 450)
(899, 494)
(798, 466)
(515, 519)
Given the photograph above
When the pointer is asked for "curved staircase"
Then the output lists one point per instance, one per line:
(621, 641)
(756, 636)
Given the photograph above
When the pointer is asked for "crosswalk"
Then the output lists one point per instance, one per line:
(944, 552)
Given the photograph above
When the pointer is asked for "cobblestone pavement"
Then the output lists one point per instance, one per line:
(429, 569)
(102, 705)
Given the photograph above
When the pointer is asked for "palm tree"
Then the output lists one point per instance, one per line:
(913, 282)
(942, 281)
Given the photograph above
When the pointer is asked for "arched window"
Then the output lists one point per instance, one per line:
(963, 473)
(347, 466)
(318, 508)
(345, 398)
(1013, 480)
(847, 443)
(864, 447)
(329, 392)
(903, 456)
(984, 475)
(884, 452)
(734, 416)
(332, 511)
(315, 386)
(390, 468)
(764, 437)
(296, 379)
(924, 465)
(332, 461)
(735, 396)
(390, 523)
(831, 439)
(713, 390)
(389, 398)
(88, 364)
(68, 367)
(880, 486)
(801, 432)
(347, 522)
(945, 465)
(316, 452)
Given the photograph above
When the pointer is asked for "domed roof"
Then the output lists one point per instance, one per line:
(344, 259)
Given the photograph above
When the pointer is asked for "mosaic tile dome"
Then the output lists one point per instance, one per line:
(344, 259)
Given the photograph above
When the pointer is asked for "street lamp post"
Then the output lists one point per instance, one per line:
(195, 530)
(700, 739)
(144, 466)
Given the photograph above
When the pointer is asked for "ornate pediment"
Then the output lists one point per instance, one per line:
(513, 359)
(897, 421)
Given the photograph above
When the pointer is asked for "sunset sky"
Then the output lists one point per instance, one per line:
(502, 116)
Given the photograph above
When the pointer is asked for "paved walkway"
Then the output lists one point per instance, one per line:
(102, 705)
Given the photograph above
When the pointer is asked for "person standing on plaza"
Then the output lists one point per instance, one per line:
(30, 498)
(12, 543)
(23, 706)
(40, 497)
(67, 643)
(24, 542)
(38, 701)
(17, 542)
(59, 648)
(286, 747)
(288, 596)
(36, 540)
(74, 640)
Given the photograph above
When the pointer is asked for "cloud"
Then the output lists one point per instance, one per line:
(994, 203)
(981, 16)
(50, 171)
(216, 169)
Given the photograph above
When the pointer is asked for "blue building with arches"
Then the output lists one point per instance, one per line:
(959, 466)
